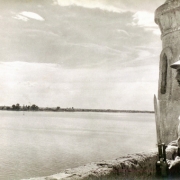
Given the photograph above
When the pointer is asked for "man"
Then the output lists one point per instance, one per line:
(176, 66)
(174, 146)
(174, 165)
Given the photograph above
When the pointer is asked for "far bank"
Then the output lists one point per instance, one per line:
(34, 107)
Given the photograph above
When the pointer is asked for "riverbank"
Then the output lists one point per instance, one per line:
(135, 166)
(58, 109)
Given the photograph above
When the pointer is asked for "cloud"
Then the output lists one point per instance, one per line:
(89, 4)
(76, 37)
(145, 19)
(79, 57)
(48, 84)
(25, 16)
(117, 6)
(20, 17)
(121, 31)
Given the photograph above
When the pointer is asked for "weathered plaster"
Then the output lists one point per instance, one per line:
(167, 16)
(136, 166)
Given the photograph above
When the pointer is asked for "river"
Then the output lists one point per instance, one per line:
(43, 143)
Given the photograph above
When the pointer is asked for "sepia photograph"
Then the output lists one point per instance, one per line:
(90, 89)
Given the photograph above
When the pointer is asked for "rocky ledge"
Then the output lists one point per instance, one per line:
(135, 166)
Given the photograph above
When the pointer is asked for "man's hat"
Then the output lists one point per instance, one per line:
(175, 65)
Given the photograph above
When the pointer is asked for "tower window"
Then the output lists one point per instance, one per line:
(164, 75)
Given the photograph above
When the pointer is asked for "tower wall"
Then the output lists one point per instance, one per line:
(167, 17)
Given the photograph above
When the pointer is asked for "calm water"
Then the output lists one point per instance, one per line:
(44, 143)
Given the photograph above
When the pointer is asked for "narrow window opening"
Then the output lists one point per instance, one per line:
(164, 75)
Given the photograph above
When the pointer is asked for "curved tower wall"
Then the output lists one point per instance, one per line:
(167, 17)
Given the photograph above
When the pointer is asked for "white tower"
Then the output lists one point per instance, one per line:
(167, 16)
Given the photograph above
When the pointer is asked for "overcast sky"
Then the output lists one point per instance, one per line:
(79, 53)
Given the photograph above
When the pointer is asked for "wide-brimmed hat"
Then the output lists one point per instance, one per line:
(175, 65)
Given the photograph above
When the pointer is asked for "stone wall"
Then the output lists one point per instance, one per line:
(135, 166)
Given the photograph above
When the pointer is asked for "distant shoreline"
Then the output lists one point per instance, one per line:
(58, 109)
(108, 111)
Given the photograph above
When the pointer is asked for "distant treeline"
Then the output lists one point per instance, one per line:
(112, 110)
(17, 107)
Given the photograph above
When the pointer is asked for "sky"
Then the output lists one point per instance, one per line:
(79, 53)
